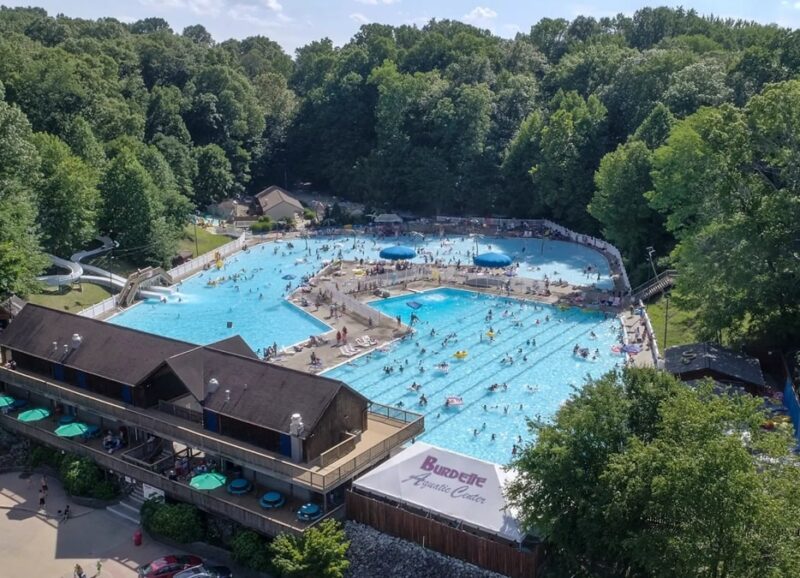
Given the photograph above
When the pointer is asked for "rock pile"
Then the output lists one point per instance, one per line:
(374, 554)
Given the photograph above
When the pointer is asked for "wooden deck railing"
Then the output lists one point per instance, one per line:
(177, 490)
(191, 434)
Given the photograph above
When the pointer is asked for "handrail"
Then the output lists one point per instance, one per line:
(190, 434)
(667, 274)
(174, 488)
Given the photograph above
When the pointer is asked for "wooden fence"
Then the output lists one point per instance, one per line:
(489, 554)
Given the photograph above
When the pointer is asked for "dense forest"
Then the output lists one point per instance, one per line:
(665, 129)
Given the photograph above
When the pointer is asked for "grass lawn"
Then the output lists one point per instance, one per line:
(205, 241)
(680, 329)
(70, 299)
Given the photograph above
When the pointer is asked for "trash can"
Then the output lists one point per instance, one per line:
(137, 537)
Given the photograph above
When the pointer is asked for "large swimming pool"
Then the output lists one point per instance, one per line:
(253, 304)
(530, 358)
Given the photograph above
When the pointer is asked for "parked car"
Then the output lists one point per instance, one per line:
(205, 571)
(168, 566)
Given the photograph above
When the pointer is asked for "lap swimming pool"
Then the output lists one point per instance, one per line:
(530, 358)
(252, 305)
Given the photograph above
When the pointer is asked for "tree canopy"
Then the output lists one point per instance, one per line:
(642, 128)
(640, 475)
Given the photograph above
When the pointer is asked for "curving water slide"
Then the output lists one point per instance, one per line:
(91, 274)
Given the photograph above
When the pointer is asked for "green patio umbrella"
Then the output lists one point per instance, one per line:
(71, 430)
(34, 414)
(6, 401)
(208, 481)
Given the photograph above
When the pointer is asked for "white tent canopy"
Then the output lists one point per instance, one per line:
(388, 219)
(449, 484)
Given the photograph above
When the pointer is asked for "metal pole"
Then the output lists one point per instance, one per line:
(666, 320)
(196, 247)
(650, 252)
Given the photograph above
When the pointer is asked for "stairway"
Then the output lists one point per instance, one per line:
(128, 507)
(663, 281)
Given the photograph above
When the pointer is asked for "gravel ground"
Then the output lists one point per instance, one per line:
(373, 554)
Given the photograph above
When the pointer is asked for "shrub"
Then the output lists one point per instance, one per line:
(83, 477)
(180, 522)
(320, 553)
(44, 456)
(309, 215)
(251, 551)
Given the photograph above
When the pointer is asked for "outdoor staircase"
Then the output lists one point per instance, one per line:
(142, 278)
(662, 282)
(128, 508)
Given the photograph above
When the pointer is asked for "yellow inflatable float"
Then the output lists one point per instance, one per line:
(490, 334)
(460, 354)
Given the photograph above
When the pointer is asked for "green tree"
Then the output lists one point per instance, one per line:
(320, 553)
(132, 213)
(641, 475)
(727, 182)
(67, 197)
(214, 179)
(571, 143)
(20, 256)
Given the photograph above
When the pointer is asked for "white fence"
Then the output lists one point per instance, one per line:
(328, 288)
(196, 264)
(650, 335)
(98, 309)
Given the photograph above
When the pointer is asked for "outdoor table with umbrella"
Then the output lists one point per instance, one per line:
(34, 414)
(397, 253)
(6, 401)
(71, 430)
(209, 481)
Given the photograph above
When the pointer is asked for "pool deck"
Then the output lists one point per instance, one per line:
(330, 355)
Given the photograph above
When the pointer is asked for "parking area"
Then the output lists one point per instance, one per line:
(36, 543)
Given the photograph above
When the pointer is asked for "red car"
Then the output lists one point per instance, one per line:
(168, 566)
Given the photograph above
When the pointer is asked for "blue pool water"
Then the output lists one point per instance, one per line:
(258, 312)
(536, 387)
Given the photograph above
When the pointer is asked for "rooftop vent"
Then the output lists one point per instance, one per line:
(213, 385)
(227, 395)
(296, 425)
(76, 341)
(55, 347)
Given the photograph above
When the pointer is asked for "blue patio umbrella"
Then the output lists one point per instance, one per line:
(6, 401)
(397, 253)
(495, 260)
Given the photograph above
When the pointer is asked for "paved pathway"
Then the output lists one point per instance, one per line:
(35, 544)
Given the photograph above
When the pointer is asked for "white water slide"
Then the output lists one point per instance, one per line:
(91, 274)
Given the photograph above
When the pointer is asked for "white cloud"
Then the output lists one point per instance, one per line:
(358, 17)
(376, 2)
(274, 5)
(253, 14)
(480, 14)
(199, 7)
(797, 5)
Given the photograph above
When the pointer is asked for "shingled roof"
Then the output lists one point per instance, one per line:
(685, 359)
(260, 393)
(117, 353)
(273, 196)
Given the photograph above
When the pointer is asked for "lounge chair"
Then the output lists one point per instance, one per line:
(347, 351)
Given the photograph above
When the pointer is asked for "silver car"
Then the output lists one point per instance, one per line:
(205, 571)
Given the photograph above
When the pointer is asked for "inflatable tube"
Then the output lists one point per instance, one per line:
(490, 333)
(460, 354)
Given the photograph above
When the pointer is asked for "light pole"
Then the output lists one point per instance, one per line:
(196, 247)
(650, 253)
(666, 318)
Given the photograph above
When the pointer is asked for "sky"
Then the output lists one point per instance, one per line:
(294, 23)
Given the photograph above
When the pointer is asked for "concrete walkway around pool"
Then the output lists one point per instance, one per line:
(36, 544)
(331, 356)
